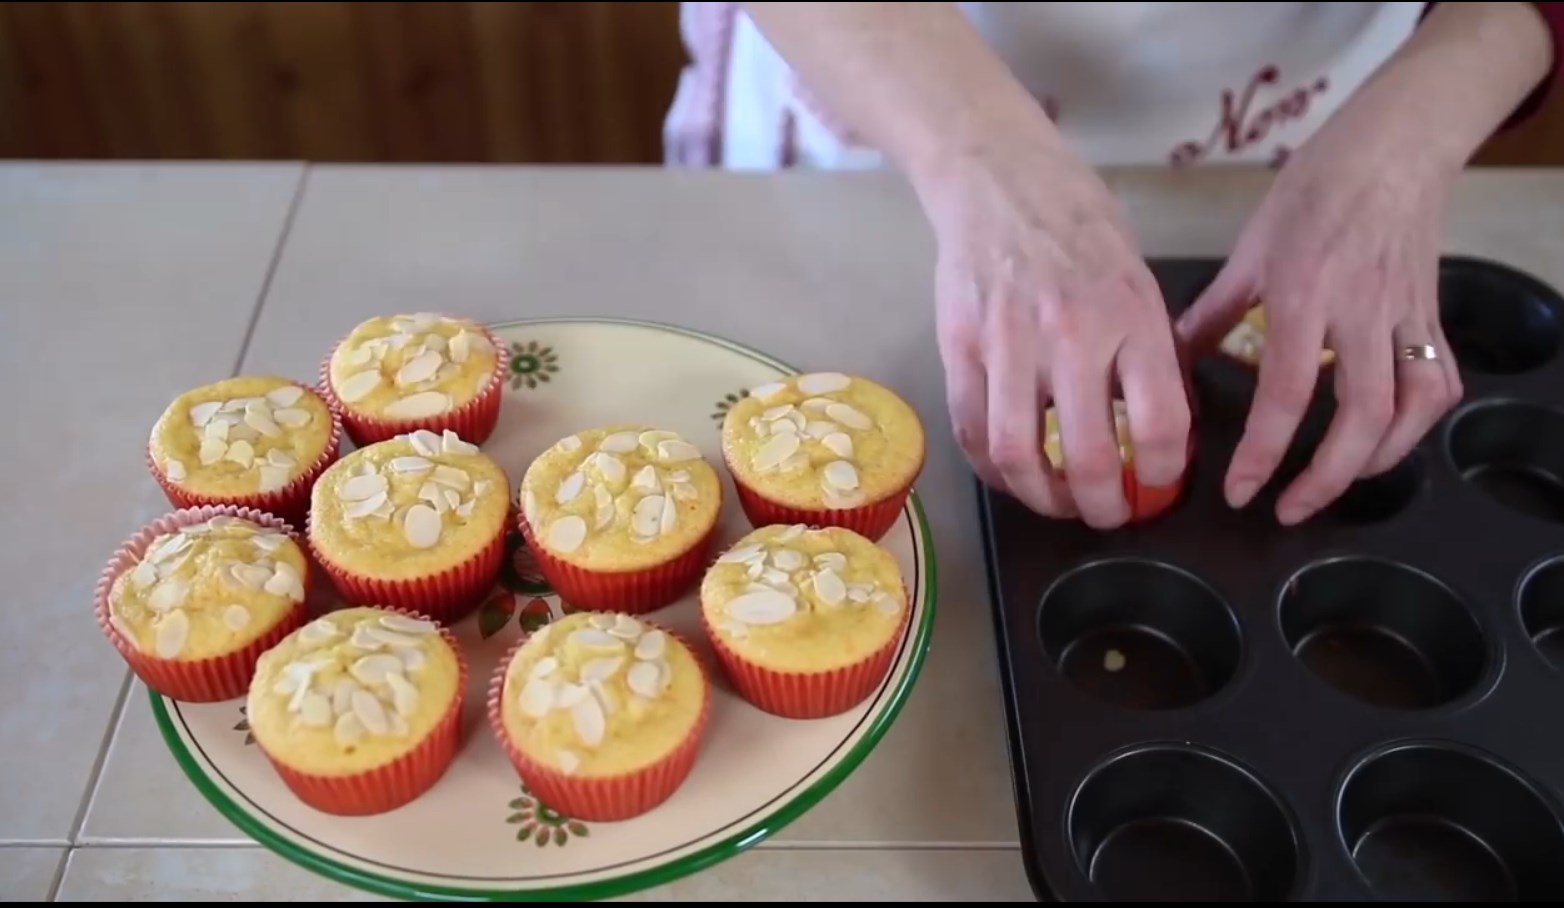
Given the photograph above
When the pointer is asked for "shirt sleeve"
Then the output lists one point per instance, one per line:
(1553, 15)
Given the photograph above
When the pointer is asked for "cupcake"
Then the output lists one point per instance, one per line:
(602, 715)
(194, 598)
(395, 374)
(621, 518)
(805, 622)
(1145, 501)
(823, 449)
(360, 711)
(1246, 341)
(254, 441)
(416, 522)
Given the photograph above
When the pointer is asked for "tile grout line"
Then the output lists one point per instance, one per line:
(95, 778)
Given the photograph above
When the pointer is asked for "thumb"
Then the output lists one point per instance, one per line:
(1219, 307)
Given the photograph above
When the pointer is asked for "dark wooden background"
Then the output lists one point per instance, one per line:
(466, 82)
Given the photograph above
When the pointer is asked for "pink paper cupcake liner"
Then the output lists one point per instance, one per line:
(291, 502)
(474, 421)
(207, 680)
(602, 799)
(403, 780)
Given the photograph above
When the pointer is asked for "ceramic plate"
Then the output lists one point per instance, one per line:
(479, 834)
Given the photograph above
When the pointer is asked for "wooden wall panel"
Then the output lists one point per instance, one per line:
(339, 81)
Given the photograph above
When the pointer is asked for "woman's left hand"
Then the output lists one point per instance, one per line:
(1344, 255)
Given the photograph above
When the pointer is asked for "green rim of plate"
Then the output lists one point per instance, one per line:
(712, 854)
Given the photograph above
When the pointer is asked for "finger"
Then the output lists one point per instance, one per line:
(1218, 308)
(1015, 445)
(966, 396)
(1094, 466)
(1157, 406)
(1425, 391)
(1289, 371)
(1366, 403)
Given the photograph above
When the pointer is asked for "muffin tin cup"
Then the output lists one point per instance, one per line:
(872, 520)
(473, 422)
(1513, 451)
(291, 502)
(403, 780)
(805, 695)
(207, 680)
(631, 592)
(445, 597)
(603, 799)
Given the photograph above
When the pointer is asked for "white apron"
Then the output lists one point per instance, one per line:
(1174, 84)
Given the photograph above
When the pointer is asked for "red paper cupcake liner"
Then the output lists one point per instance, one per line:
(806, 695)
(403, 780)
(445, 597)
(474, 421)
(602, 799)
(872, 521)
(207, 680)
(630, 592)
(291, 502)
(1146, 501)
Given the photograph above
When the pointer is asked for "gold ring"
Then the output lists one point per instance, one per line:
(1420, 351)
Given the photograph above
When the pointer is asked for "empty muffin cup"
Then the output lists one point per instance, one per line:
(1383, 633)
(1432, 822)
(1497, 320)
(1139, 634)
(1514, 453)
(1179, 823)
(1542, 609)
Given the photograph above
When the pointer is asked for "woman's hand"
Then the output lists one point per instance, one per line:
(1043, 298)
(1344, 255)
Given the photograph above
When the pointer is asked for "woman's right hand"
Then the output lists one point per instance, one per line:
(1043, 299)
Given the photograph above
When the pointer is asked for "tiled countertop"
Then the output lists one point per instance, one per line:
(122, 285)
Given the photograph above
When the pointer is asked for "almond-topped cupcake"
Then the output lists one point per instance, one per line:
(360, 711)
(254, 441)
(805, 622)
(416, 521)
(195, 597)
(1246, 341)
(1145, 501)
(394, 374)
(621, 518)
(601, 714)
(823, 449)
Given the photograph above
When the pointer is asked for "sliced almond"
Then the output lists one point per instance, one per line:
(285, 581)
(369, 712)
(419, 368)
(144, 575)
(201, 414)
(422, 405)
(378, 635)
(645, 480)
(366, 507)
(773, 576)
(830, 588)
(860, 592)
(460, 347)
(651, 645)
(647, 516)
(453, 444)
(603, 503)
(570, 488)
(821, 428)
(373, 669)
(315, 710)
(590, 723)
(835, 561)
(361, 488)
(404, 696)
(453, 499)
(645, 679)
(611, 468)
(570, 443)
(567, 533)
(285, 396)
(452, 477)
(840, 475)
(840, 444)
(172, 632)
(544, 667)
(357, 386)
(348, 730)
(597, 671)
(823, 383)
(259, 418)
(739, 555)
(402, 624)
(817, 403)
(242, 453)
(788, 559)
(169, 595)
(425, 442)
(776, 413)
(677, 451)
(568, 695)
(773, 452)
(175, 470)
(410, 464)
(537, 697)
(593, 638)
(619, 443)
(767, 391)
(849, 416)
(758, 608)
(212, 450)
(319, 631)
(292, 417)
(625, 628)
(422, 527)
(169, 546)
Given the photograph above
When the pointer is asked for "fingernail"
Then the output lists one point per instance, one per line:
(1240, 492)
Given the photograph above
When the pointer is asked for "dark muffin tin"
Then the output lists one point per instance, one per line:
(1210, 706)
